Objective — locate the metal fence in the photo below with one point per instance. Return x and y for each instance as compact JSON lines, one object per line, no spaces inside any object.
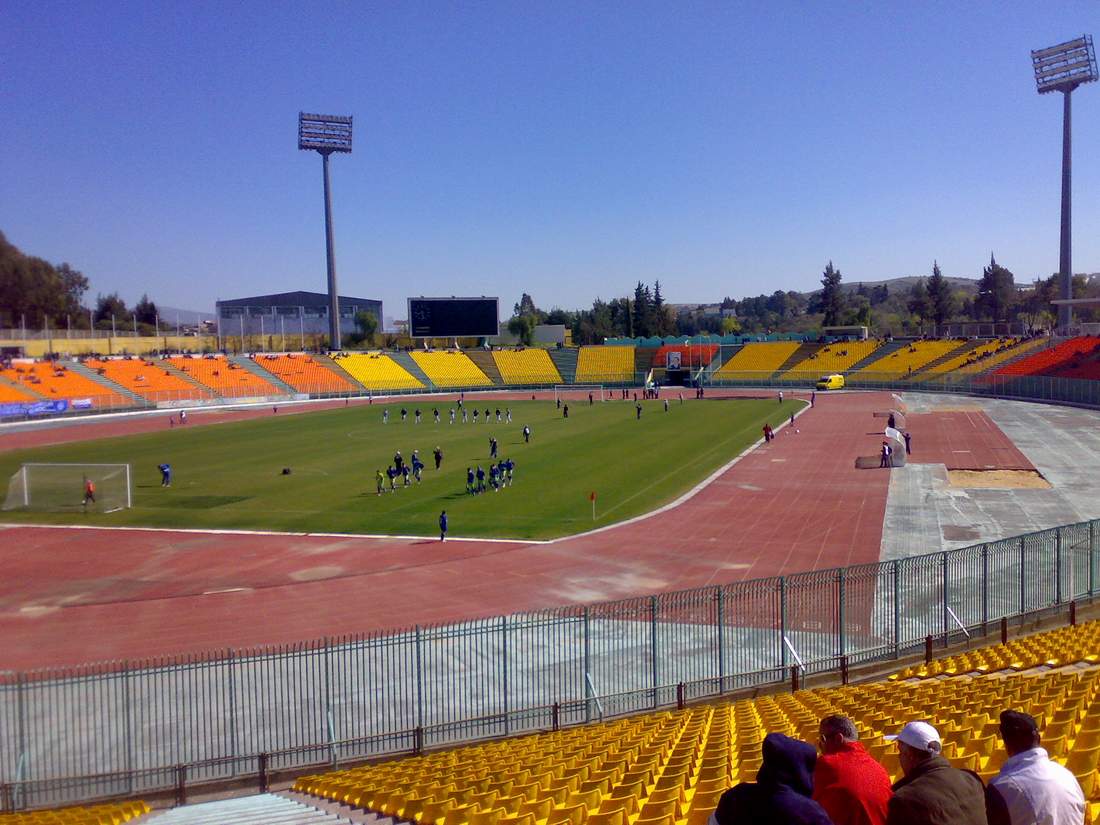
{"x":120,"y":727}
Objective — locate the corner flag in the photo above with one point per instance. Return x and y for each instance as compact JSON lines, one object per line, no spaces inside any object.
{"x":592,"y":498}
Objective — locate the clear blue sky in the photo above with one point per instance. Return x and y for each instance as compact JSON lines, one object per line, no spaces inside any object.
{"x":567,"y":149}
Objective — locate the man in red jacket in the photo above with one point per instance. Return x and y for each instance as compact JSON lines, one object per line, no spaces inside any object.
{"x":848,"y":783}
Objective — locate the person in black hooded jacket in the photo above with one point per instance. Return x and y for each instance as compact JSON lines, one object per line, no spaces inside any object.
{"x":782,"y":790}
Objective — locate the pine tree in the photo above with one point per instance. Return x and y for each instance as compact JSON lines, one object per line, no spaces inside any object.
{"x":831,"y":301}
{"x":940,"y":297}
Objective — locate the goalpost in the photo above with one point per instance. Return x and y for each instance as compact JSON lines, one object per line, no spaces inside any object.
{"x":574,"y":392}
{"x":61,"y":488}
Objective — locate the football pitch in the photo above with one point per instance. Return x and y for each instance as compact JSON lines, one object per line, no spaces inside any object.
{"x":229,"y":476}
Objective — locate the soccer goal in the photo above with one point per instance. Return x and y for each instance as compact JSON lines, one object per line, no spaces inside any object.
{"x":63,"y":488}
{"x":579,"y":392}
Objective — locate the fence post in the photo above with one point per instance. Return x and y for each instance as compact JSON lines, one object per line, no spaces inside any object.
{"x":555,"y":716}
{"x":587,"y":669}
{"x":927,"y":650}
{"x":419,"y":682}
{"x":1058,"y":566}
{"x":504,"y":659}
{"x":653,"y":644}
{"x":263,"y":773}
{"x":946,"y":616}
{"x":1023,"y":579}
{"x":1073,"y":613}
{"x":897,"y":609}
{"x":844,"y":670}
{"x":794,"y":679}
{"x":721,"y":615}
{"x":128,"y":732}
{"x":680,"y":703}
{"x":181,"y":785}
{"x":985,"y":588}
{"x":21,"y":709}
{"x":1004,"y":630}
{"x":782,"y":621}
{"x":840,"y":611}
{"x":1092,"y":557}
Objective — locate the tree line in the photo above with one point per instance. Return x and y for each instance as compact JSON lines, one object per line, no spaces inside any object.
{"x":35,"y":293}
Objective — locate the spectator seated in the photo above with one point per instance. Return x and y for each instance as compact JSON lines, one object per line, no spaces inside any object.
{"x":300,"y":371}
{"x":837,"y":357}
{"x":1047,"y":361}
{"x":145,"y":378}
{"x":376,"y":371}
{"x":224,"y":377}
{"x":909,"y":359}
{"x":54,"y":380}
{"x":671,"y":767}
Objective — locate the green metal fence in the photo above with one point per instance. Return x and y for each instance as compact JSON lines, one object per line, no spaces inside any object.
{"x":122,"y":727}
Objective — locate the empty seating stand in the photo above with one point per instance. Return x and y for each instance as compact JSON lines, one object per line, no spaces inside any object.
{"x":109,"y":814}
{"x":450,"y":368}
{"x":526,"y":366}
{"x":756,"y":361}
{"x":376,"y":371}
{"x":605,"y":365}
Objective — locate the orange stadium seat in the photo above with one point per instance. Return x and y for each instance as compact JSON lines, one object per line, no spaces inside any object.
{"x":146,"y":378}
{"x":691,"y":355}
{"x":224,"y":377}
{"x":1047,"y":361}
{"x":54,"y":380}
{"x":300,"y":371}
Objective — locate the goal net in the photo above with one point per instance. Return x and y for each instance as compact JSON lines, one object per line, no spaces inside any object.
{"x":101,"y":488}
{"x":579,"y":392}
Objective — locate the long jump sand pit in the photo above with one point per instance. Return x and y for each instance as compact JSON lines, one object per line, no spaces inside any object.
{"x":997,"y":480}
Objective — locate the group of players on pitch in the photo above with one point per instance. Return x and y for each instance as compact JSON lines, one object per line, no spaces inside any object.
{"x":405,"y":470}
{"x":502,"y":417}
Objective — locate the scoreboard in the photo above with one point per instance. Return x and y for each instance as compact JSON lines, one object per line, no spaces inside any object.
{"x":453,"y":317}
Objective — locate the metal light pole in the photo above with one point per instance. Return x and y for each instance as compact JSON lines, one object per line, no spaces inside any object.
{"x":327,"y":134}
{"x":1063,"y":68}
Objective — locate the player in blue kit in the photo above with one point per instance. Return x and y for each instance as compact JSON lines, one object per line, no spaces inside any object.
{"x":165,"y":474}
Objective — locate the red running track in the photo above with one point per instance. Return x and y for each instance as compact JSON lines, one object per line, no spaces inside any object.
{"x":963,"y":440}
{"x":72,"y":595}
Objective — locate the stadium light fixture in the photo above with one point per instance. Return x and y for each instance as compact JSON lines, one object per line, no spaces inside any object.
{"x":1063,"y":68}
{"x":327,"y":134}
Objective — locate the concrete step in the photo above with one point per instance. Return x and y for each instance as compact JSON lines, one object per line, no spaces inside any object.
{"x":356,"y":815}
{"x":23,"y":388}
{"x":803,"y":352}
{"x":246,"y":363}
{"x":487,"y":364}
{"x":410,"y":366}
{"x":106,"y":382}
{"x":263,"y":809}
{"x":884,"y":350}
{"x":205,"y":391}
{"x":565,"y":359}
{"x":326,"y":362}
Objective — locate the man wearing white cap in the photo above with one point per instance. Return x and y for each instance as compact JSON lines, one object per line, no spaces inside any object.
{"x":932,"y":792}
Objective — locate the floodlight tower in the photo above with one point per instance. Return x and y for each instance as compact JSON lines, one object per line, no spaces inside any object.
{"x":1063,"y":68}
{"x":327,"y":134}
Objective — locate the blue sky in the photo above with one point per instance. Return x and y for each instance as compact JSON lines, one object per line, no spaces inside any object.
{"x":564,"y":149}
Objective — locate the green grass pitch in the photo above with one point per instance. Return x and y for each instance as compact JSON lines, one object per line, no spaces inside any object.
{"x":229,"y":475}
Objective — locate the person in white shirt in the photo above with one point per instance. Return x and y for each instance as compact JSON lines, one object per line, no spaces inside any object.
{"x":1031,"y":788}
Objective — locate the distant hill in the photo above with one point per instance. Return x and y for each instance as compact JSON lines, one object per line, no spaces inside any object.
{"x":905,"y":283}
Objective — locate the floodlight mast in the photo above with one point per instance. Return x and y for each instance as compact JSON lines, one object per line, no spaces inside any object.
{"x":1063,"y":68}
{"x":326,"y":134}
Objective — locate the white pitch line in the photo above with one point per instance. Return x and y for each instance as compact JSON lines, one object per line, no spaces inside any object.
{"x":698,"y":488}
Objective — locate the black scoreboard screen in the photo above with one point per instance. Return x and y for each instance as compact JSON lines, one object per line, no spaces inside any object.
{"x":453,"y":317}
